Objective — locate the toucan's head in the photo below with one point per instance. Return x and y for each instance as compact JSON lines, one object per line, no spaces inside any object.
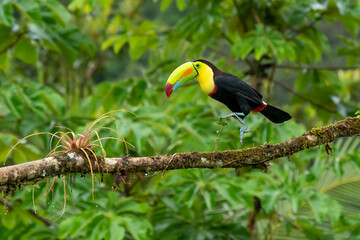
{"x":189,"y":70}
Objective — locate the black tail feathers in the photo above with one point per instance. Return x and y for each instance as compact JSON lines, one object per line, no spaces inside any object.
{"x":275,"y":115}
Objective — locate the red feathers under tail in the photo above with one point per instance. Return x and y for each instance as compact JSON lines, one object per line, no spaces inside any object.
{"x":274,"y":114}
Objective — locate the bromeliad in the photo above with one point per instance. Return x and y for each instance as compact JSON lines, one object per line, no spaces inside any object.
{"x":226,"y":88}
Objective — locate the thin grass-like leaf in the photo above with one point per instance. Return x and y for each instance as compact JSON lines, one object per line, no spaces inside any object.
{"x":118,"y":133}
{"x":33,"y":198}
{"x":103,"y":150}
{"x":91,"y":170}
{"x":53,"y":151}
{"x":103,"y":116}
{"x":96,"y":159}
{"x":114,"y":138}
{"x":52,"y":185}
{"x":68,"y":142}
{"x":64,"y":207}
{"x":31,"y":135}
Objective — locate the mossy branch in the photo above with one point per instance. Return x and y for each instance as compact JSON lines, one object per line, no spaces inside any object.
{"x":76,"y":162}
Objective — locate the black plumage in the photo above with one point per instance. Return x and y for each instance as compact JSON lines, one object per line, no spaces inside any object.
{"x":240,"y":97}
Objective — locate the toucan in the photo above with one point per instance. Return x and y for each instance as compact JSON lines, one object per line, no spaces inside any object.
{"x":226,"y":88}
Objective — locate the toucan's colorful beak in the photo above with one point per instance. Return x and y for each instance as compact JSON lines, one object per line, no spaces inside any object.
{"x":179,"y":76}
{"x":169,"y":89}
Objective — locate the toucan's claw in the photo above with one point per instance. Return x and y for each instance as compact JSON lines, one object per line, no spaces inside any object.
{"x":237,"y":115}
{"x":242,"y":131}
{"x":245,"y":130}
{"x":241,"y":118}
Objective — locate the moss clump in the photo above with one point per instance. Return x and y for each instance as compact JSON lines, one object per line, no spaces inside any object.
{"x":317,"y":131}
{"x":306,"y":143}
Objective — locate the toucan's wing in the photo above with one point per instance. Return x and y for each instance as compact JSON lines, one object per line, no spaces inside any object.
{"x":237,"y":87}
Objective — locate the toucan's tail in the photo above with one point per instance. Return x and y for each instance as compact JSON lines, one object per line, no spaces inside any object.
{"x":275,"y":115}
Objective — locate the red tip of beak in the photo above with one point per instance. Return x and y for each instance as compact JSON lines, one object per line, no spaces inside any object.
{"x":168,"y":89}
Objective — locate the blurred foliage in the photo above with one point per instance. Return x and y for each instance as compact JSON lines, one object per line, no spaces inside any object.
{"x":64,"y":63}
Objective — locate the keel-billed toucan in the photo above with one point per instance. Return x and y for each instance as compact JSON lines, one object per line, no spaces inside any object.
{"x":228,"y":89}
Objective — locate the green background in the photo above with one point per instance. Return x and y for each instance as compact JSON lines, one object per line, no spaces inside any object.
{"x":65,"y":63}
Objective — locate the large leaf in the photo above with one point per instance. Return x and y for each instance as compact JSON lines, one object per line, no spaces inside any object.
{"x":26,"y":51}
{"x":30,"y":9}
{"x":60,"y":12}
{"x":6,"y":13}
{"x":3,"y":60}
{"x":139,"y":227}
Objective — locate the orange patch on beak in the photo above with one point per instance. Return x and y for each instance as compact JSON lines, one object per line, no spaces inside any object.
{"x":187,"y":72}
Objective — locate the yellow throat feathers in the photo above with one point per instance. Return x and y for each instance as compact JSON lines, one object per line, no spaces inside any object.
{"x":206,"y":78}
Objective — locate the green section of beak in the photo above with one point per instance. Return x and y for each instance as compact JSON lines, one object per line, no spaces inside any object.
{"x":179,"y":76}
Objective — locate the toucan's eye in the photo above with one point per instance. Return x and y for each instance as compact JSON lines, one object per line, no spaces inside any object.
{"x":197,"y":65}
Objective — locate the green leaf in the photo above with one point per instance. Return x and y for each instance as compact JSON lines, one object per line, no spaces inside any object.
{"x":159,"y":126}
{"x":242,"y":48}
{"x":333,"y":210}
{"x":260,"y":50}
{"x":318,"y":207}
{"x":139,"y":227}
{"x":351,"y":23}
{"x":99,"y":229}
{"x":36,"y":32}
{"x":131,"y":206}
{"x":188,"y":194}
{"x":180,"y":4}
{"x":351,"y":60}
{"x":310,"y":231}
{"x":7,"y":37}
{"x":269,"y":197}
{"x":77,"y":40}
{"x":355,"y":234}
{"x":72,"y":41}
{"x":290,"y":52}
{"x":68,"y":225}
{"x":228,"y":193}
{"x":120,"y":43}
{"x":30,"y":8}
{"x":343,"y":6}
{"x":78,"y":5}
{"x":6,"y":13}
{"x":74,"y":226}
{"x":296,"y":200}
{"x":106,"y":3}
{"x":109,"y":42}
{"x":44,"y":99}
{"x":303,"y":80}
{"x":26,"y":51}
{"x":209,"y":199}
{"x":3,"y":60}
{"x":170,"y":203}
{"x":11,"y":220}
{"x":139,"y":44}
{"x":60,"y":12}
{"x":165,"y":4}
{"x":12,"y":100}
{"x":117,"y":231}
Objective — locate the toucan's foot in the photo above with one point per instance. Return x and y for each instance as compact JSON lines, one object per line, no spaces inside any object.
{"x":246,"y":130}
{"x":237,"y":115}
{"x":241,"y":118}
{"x":243,"y":130}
